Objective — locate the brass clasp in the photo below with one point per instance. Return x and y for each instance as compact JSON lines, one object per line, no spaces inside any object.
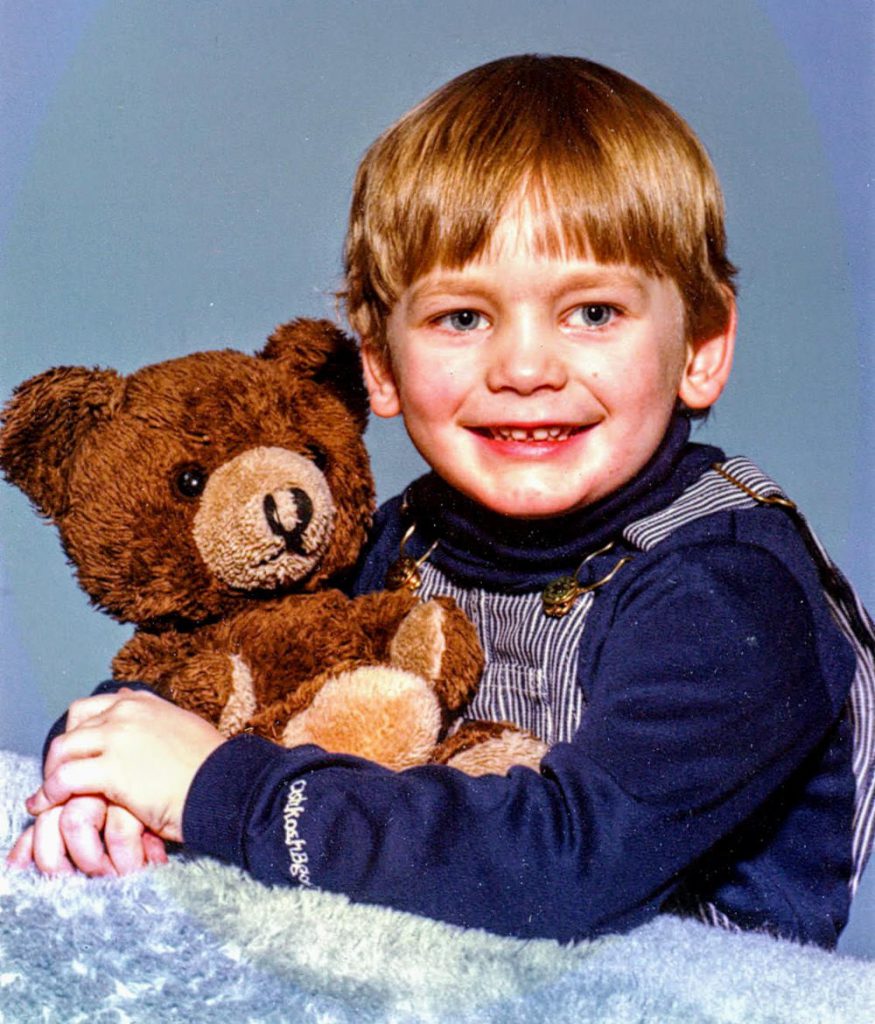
{"x":558,"y":597}
{"x":403,"y":573}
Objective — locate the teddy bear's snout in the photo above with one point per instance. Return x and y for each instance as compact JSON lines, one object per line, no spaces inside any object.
{"x":265,"y":519}
{"x":302,"y":513}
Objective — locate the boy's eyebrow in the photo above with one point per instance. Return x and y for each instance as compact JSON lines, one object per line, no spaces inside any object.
{"x":467,"y":281}
{"x":609,"y":276}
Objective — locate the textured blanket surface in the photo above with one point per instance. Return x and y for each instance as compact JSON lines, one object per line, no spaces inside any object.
{"x":199,"y":941}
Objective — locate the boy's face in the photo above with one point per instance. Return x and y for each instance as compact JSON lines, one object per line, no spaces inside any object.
{"x":538,"y":385}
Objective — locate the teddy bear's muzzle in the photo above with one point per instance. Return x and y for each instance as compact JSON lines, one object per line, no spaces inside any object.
{"x":303,"y":513}
{"x":265,"y":519}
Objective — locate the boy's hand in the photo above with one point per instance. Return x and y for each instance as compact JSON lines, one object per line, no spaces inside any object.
{"x":133,"y":748}
{"x":89,"y":834}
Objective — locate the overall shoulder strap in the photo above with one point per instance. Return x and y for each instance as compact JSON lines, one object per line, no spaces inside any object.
{"x":737,"y":484}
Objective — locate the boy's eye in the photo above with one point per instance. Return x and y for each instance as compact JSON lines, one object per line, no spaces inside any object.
{"x":462,"y":320}
{"x":594,"y":314}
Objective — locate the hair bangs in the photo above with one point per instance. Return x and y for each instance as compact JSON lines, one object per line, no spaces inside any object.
{"x":609,"y":171}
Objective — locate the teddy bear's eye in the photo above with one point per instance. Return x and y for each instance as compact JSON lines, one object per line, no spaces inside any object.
{"x":189,"y":480}
{"x":317,"y":455}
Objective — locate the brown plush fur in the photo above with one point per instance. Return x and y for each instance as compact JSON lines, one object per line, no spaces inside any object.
{"x":211,"y":500}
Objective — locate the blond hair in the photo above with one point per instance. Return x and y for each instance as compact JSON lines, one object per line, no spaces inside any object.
{"x":617,"y":175}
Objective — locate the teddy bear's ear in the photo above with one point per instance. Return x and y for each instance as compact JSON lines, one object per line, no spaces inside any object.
{"x":45,"y":420}
{"x":320,"y":350}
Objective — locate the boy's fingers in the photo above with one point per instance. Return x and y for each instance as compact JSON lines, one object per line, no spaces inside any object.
{"x":123,"y":835}
{"x":49,"y":853}
{"x":154,"y":848}
{"x":76,"y":777}
{"x":21,"y":854}
{"x":87,"y":707}
{"x":81,"y":821}
{"x":86,"y":740}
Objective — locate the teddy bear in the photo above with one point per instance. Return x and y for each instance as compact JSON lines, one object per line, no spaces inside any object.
{"x":214,"y":501}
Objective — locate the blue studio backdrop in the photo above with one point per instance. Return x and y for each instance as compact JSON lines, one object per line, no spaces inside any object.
{"x":175,"y":176}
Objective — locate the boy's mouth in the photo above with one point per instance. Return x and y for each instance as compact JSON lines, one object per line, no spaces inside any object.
{"x":555,"y":432}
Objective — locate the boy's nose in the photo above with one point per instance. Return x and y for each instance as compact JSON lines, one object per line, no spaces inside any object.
{"x":525,"y":359}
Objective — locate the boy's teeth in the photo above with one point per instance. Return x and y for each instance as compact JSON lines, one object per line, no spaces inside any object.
{"x":535,"y":434}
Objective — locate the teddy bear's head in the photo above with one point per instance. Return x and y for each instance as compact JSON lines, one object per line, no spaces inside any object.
{"x":189,"y":486}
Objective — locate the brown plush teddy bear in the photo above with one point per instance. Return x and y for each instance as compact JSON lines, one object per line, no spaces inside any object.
{"x":211,"y":500}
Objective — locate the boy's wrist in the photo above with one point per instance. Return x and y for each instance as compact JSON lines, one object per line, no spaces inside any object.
{"x":217,"y":807}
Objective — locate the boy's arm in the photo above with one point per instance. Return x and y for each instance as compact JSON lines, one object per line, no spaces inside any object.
{"x":708,"y":694}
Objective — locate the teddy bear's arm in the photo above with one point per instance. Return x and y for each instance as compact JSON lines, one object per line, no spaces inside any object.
{"x":389,"y":700}
{"x":152,"y":658}
{"x":192,"y":671}
{"x":378,"y":616}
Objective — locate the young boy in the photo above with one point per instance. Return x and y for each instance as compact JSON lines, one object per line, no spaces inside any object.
{"x":536,"y":268}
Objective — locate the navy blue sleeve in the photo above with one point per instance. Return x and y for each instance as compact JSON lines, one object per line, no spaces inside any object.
{"x":707,"y":695}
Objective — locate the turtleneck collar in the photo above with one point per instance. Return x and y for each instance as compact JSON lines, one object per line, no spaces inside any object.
{"x":479,"y":547}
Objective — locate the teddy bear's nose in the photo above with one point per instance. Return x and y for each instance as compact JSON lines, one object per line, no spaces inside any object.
{"x":299,"y":508}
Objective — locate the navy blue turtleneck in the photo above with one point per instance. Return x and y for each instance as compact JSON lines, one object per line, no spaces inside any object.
{"x":477,"y":547}
{"x":712,"y":764}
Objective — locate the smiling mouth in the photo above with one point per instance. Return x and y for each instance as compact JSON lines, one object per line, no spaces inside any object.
{"x":557,"y":432}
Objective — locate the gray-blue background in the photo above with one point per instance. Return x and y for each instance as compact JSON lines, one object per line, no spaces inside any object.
{"x":175,"y":176}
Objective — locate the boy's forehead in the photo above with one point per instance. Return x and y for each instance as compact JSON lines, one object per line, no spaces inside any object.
{"x":530,"y":230}
{"x":528,"y":234}
{"x":530,"y":225}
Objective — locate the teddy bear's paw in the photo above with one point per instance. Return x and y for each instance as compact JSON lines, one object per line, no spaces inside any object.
{"x":437,"y":641}
{"x":419,"y":644}
{"x":496,"y":754}
{"x":381,"y":713}
{"x":242,"y":703}
{"x":217,"y":686}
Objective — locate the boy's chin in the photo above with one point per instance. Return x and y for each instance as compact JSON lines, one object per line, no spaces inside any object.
{"x":527,"y":504}
{"x":546,"y":512}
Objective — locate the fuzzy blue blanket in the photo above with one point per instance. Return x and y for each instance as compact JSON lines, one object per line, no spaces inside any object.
{"x":199,"y":941}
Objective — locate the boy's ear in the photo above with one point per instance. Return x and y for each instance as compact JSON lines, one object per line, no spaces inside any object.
{"x":380,"y":380}
{"x":709,"y":363}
